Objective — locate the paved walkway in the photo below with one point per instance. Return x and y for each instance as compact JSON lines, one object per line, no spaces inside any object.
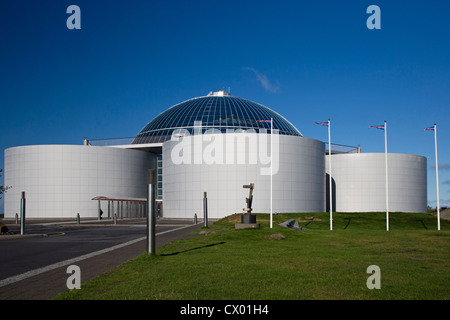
{"x":48,"y":284}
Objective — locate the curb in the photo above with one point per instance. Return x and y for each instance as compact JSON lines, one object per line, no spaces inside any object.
{"x":20,"y":236}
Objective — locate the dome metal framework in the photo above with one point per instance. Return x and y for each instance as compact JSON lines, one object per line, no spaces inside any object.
{"x":218,"y":110}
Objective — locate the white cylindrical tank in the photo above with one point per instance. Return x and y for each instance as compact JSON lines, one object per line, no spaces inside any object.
{"x":60,"y":180}
{"x":221,"y":164}
{"x":360,"y":185}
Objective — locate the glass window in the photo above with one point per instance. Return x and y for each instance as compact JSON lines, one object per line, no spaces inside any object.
{"x":219,"y":112}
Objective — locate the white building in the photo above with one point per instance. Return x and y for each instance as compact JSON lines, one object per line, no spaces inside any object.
{"x":213,"y":144}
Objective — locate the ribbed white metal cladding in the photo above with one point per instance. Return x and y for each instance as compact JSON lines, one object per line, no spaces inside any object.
{"x":359,"y":182}
{"x":298,"y":180}
{"x":61,"y":180}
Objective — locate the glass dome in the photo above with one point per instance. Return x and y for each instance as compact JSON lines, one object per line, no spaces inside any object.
{"x":218,"y":110}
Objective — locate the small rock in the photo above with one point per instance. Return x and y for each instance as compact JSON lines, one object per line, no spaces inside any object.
{"x":277,"y":236}
{"x":207,"y":233}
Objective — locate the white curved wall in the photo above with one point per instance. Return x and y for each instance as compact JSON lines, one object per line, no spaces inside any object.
{"x":60,"y":180}
{"x":298,"y":180}
{"x":360,"y":185}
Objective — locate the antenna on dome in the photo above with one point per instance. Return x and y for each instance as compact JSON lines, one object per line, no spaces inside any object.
{"x":219,"y":93}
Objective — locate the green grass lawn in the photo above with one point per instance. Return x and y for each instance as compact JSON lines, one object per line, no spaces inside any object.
{"x":413,"y":257}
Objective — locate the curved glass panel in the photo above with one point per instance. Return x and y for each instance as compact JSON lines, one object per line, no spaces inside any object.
{"x":219,"y":112}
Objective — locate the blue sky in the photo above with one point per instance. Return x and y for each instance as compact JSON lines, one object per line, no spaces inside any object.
{"x":307,"y":60}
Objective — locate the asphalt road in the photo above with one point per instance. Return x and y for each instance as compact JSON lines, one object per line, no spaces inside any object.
{"x":35,"y":266}
{"x":63,"y":242}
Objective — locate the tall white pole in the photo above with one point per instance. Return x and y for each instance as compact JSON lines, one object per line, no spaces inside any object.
{"x":329,"y":162}
{"x":271,"y":171}
{"x":387,"y":182}
{"x":437,"y":178}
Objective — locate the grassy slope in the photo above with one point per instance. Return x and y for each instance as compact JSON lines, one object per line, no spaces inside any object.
{"x":313,"y":264}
